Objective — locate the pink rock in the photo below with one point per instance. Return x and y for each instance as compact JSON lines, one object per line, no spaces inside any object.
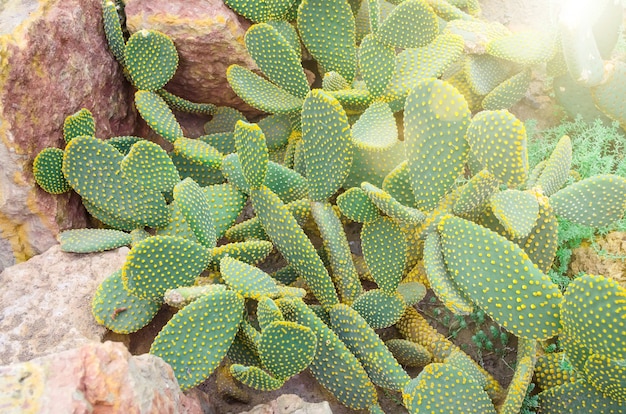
{"x":209,"y":38}
{"x":96,"y":378}
{"x":55,"y":61}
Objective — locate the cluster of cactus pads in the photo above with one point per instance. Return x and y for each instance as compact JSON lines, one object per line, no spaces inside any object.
{"x":451,"y":194}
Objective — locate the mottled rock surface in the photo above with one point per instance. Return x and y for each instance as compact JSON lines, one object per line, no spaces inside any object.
{"x":54,"y":60}
{"x":209,"y":38}
{"x":290,"y":404}
{"x":45,"y":303}
{"x":95,"y":378}
{"x":606,"y":258}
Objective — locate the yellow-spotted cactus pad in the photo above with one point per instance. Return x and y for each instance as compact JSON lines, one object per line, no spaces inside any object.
{"x":498,"y":276}
{"x":518,"y":387}
{"x":267,"y":312}
{"x":556,"y":169}
{"x":183,"y":105}
{"x":436,"y":117}
{"x":334,"y":366}
{"x":475,"y":192}
{"x":411,"y":24}
{"x":79,"y":124}
{"x":92,"y":240}
{"x":256,"y":378}
{"x":261,"y":93}
{"x":328,"y":150}
{"x":111,"y":220}
{"x":159,"y":263}
{"x":123,"y":143}
{"x":376,"y":64}
{"x":148,"y":165}
{"x":379,"y":308}
{"x":177,"y":226}
{"x":355,"y":205}
{"x":498,"y":140}
{"x":353,"y":100}
{"x":251,"y":252}
{"x":201,"y":173}
{"x":151,"y":59}
{"x":465,"y":363}
{"x":596,"y":201}
{"x":440,"y":281}
{"x":194,"y":205}
{"x":411,"y":291}
{"x":248,"y":281}
{"x":385,"y":249}
{"x":252,"y":150}
{"x":376,"y":128}
{"x":407,"y":353}
{"x":277,"y":129}
{"x":184,"y":295}
{"x":445,"y":389}
{"x":328,"y":32}
{"x":484,"y":72}
{"x":476,"y":33}
{"x":223,"y":120}
{"x":286,"y":348}
{"x":333,"y":81}
{"x":553,"y":370}
{"x":196,"y":339}
{"x":118,"y":310}
{"x":157,"y":115}
{"x":366,"y":345}
{"x":607,"y":95}
{"x":47,"y":170}
{"x":391,"y":207}
{"x":608,"y":376}
{"x":277,"y":59}
{"x":373,"y":164}
{"x":225,"y":204}
{"x":398,"y":184}
{"x":509,"y":92}
{"x":542,"y":242}
{"x":516,"y":210}
{"x":113,"y":30}
{"x":524,"y":47}
{"x":578,"y":397}
{"x":198,"y":151}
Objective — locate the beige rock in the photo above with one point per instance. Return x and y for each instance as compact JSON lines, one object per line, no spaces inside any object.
{"x":54,"y":60}
{"x":45,"y":303}
{"x":96,"y":378}
{"x":290,"y":404}
{"x":607,"y":258}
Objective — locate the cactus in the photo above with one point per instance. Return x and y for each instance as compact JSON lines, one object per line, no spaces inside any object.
{"x":79,"y":124}
{"x":92,"y":240}
{"x":47,"y":170}
{"x":151,"y":59}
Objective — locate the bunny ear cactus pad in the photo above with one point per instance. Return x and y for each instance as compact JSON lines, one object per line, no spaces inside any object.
{"x":255,"y":377}
{"x":516,"y":210}
{"x":495,"y":274}
{"x":286,"y":348}
{"x":159,"y":263}
{"x":391,"y":207}
{"x":247,"y":280}
{"x":328,"y":150}
{"x":47,"y":170}
{"x":183,"y":105}
{"x":385,"y":249}
{"x":113,"y":30}
{"x":608,"y":96}
{"x":151,"y":59}
{"x":578,"y":397}
{"x":475,"y":192}
{"x":158,"y":115}
{"x":498,"y":140}
{"x":198,"y":152}
{"x":596,"y":201}
{"x":267,"y":312}
{"x":114,"y":307}
{"x":328,"y":32}
{"x":355,"y":205}
{"x":252,"y":150}
{"x":194,"y":205}
{"x":379,"y":308}
{"x":398,"y":185}
{"x":409,"y":353}
{"x":376,"y":64}
{"x":549,"y":371}
{"x":261,"y":11}
{"x":79,"y":124}
{"x":411,"y":24}
{"x":526,"y":47}
{"x":148,"y":165}
{"x":543,"y":241}
{"x":376,"y":129}
{"x":225,"y":204}
{"x":608,"y":376}
{"x":557,"y":168}
{"x":123,"y":143}
{"x":197,"y":338}
{"x":509,"y":92}
{"x":92,"y":240}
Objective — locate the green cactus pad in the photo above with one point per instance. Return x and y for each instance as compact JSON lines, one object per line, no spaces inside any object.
{"x":434,"y":130}
{"x":481,"y":261}
{"x":458,"y":79}
{"x":92,"y":240}
{"x":524,"y":47}
{"x":333,"y":81}
{"x":277,"y":59}
{"x":277,"y":129}
{"x":542,"y":242}
{"x":385,"y":249}
{"x":252,"y":150}
{"x":256,"y":378}
{"x":160,"y":263}
{"x":411,"y":24}
{"x":260,"y":93}
{"x":608,"y":95}
{"x":183,"y":105}
{"x":353,"y":100}
{"x":224,"y":120}
{"x":138,"y":235}
{"x":290,"y":240}
{"x":148,"y":165}
{"x":429,"y":61}
{"x":535,"y":173}
{"x":445,"y":389}
{"x":92,"y":168}
{"x":518,"y":387}
{"x":177,"y":226}
{"x":379,"y":308}
{"x":501,"y":150}
{"x":373,"y":164}
{"x":509,"y":92}
{"x":391,"y":206}
{"x":241,"y":352}
{"x":355,"y":205}
{"x":409,"y":354}
{"x":286,"y":348}
{"x":327,"y":151}
{"x":577,"y":398}
{"x":123,"y":143}
{"x":376,"y":64}
{"x":364,"y":343}
{"x":247,"y":280}
{"x":484,"y":72}
{"x":267,"y":312}
{"x":198,"y":336}
{"x":250,"y":252}
{"x":440,"y":281}
{"x":151,"y":59}
{"x":288,"y":31}
{"x":225,"y":204}
{"x":333,"y":47}
{"x":198,"y":151}
{"x":592,"y":315}
{"x":376,"y":128}
{"x":516,"y":210}
{"x":201,"y":173}
{"x":224,"y":142}
{"x":261,"y":11}
{"x":596,"y":201}
{"x":113,"y":31}
{"x":448,"y":11}
{"x":556,"y":170}
{"x":118,"y":310}
{"x":184,"y":295}
{"x":608,"y":376}
{"x":475,"y":193}
{"x":398,"y":184}
{"x":47,"y":170}
{"x":465,"y":363}
{"x":477,"y":33}
{"x":344,"y":273}
{"x":157,"y":115}
{"x":194,"y":205}
{"x":110,"y":220}
{"x":334,"y":366}
{"x":551,"y":371}
{"x":411,"y":292}
{"x":79,"y":124}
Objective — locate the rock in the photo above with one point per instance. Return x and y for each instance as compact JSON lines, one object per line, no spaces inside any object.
{"x":609,"y":263}
{"x":95,"y":378}
{"x":54,"y":61}
{"x":45,"y":303}
{"x":290,"y":404}
{"x":209,"y":38}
